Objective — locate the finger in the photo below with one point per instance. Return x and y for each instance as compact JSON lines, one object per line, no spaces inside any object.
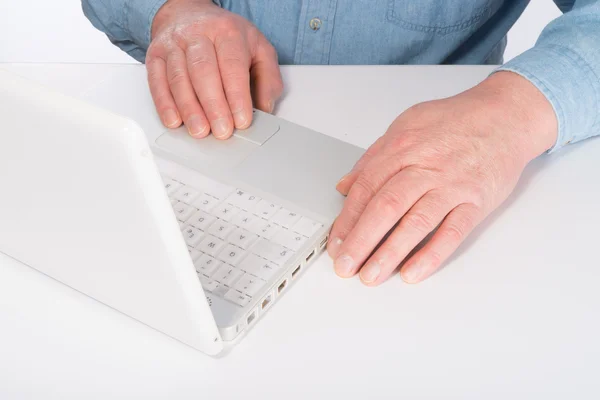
{"x":234,"y":64}
{"x":346,"y":182}
{"x":380,"y":215}
{"x":161,"y":94}
{"x":266,"y":77}
{"x":206,"y":79}
{"x":451,"y":233}
{"x":184,"y":96}
{"x":374,"y":175}
{"x":418,"y":222}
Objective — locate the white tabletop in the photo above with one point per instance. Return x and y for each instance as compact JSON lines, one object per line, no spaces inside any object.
{"x":513,"y":315}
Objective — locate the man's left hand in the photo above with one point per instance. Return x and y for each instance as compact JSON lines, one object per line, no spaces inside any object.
{"x":442,"y":166}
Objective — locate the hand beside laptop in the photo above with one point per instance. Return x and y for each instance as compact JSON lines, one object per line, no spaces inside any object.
{"x":445,"y":164}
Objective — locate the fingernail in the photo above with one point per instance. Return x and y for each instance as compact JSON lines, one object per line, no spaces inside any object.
{"x":241,"y":121}
{"x":221,"y":127}
{"x":414,"y":273}
{"x":343,"y":179}
{"x":170,"y":118}
{"x":334,"y":246}
{"x":344,"y":266}
{"x":197,"y":126}
{"x":370,"y":272}
{"x":270,"y":106}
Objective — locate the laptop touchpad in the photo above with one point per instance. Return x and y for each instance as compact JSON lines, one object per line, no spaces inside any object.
{"x":206,"y":151}
{"x":227,"y":153}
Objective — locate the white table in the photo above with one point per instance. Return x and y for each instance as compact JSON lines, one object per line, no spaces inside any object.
{"x":513,"y":315}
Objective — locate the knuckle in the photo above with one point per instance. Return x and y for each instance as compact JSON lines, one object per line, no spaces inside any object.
{"x":362,"y":191}
{"x":389,"y":202}
{"x":419,"y":221}
{"x":435,"y":259}
{"x":177,"y":76}
{"x":454,"y":233}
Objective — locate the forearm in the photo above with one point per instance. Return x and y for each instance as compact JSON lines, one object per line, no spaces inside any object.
{"x":564,"y":65}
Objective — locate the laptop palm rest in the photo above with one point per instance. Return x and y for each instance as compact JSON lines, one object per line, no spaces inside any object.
{"x":219,"y":153}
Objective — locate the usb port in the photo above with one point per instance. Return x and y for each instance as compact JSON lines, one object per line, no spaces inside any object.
{"x":323,"y":242}
{"x":282,"y":286}
{"x":251,"y":317}
{"x":310,"y":256}
{"x":296,"y":271}
{"x":266,"y":302}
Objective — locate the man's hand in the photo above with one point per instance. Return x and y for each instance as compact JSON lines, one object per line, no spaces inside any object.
{"x":444,"y":164}
{"x":200,"y":64}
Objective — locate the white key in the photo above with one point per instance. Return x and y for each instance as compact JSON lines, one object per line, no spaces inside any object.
{"x":265,"y":209}
{"x":244,"y":219}
{"x":272,"y":251}
{"x":182,"y":224}
{"x":209,"y":285}
{"x":173,"y":201}
{"x":201,"y":220}
{"x":249,"y":285}
{"x":263,"y":228}
{"x":210,"y":245}
{"x":171,"y":186}
{"x":221,"y":229}
{"x":227,"y":275}
{"x":306,"y":227}
{"x":186,"y":194}
{"x":207,"y":265}
{"x":183,"y":211}
{"x":259,"y":267}
{"x":205,"y":202}
{"x":220,"y":290}
{"x":243,"y":200}
{"x":236,"y":297}
{"x":225,"y":211}
{"x":231,"y":254}
{"x":289,"y":239}
{"x":192,"y":235}
{"x":286,"y":218}
{"x":194,"y":254}
{"x":242,"y":238}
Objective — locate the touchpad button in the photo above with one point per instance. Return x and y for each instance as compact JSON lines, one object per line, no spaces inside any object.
{"x":263,"y":127}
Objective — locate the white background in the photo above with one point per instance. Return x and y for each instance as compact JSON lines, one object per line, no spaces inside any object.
{"x":57,"y":31}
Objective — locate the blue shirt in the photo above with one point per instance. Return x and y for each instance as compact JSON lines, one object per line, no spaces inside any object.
{"x":564,"y":64}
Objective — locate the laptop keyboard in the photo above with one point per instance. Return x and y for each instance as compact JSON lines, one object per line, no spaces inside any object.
{"x":236,"y":240}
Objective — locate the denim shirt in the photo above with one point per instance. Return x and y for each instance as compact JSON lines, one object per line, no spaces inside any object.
{"x":564,"y":64}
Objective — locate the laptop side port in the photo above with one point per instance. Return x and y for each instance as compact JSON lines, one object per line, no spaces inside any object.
{"x":296,"y":271}
{"x":282,"y":286}
{"x":323,"y":242}
{"x":265,"y":303}
{"x":251,"y":317}
{"x":310,"y":256}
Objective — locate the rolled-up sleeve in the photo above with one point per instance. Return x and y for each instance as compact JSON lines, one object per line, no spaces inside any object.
{"x":565,"y":66}
{"x":127,"y":23}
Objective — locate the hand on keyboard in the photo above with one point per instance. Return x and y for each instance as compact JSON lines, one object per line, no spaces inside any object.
{"x":237,"y":240}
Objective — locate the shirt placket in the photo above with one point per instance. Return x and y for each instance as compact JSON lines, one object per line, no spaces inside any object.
{"x":315,"y":32}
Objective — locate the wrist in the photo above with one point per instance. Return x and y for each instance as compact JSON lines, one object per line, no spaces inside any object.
{"x":522,"y":110}
{"x":170,"y":9}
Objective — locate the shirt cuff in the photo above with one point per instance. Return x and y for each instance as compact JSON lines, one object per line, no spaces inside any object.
{"x":139,"y":15}
{"x":568,"y":83}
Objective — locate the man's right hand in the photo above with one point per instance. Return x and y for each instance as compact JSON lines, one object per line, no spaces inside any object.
{"x":201,"y":62}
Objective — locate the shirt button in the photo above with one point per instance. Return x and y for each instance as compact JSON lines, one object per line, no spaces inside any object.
{"x":315,"y":24}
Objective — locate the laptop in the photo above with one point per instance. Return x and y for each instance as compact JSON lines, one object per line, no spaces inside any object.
{"x":197,"y":239}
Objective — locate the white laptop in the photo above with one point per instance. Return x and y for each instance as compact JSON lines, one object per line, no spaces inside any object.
{"x":195,"y":238}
